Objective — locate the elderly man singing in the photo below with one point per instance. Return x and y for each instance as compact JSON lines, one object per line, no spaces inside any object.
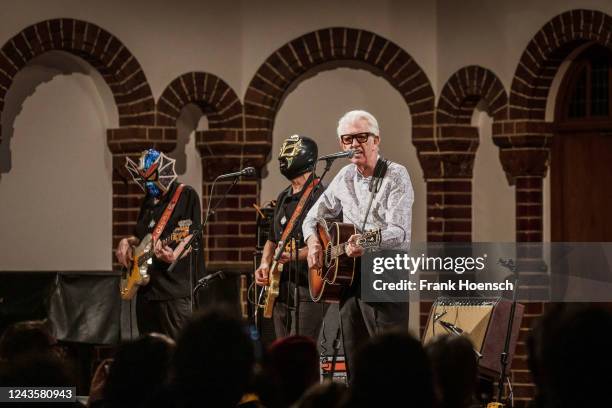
{"x":388,"y":208}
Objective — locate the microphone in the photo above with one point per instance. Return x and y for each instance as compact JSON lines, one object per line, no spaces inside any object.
{"x":451,"y":327}
{"x":211,"y":278}
{"x":247,"y":172}
{"x":334,"y":156}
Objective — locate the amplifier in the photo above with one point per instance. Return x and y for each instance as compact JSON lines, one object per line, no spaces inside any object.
{"x":339,"y":369}
{"x":483,"y":320}
{"x":263,"y":222}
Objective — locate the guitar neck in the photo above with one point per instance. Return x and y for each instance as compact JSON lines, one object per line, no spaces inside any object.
{"x":149,"y":254}
{"x":340,"y":249}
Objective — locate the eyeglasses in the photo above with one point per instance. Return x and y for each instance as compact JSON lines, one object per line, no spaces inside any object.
{"x":361,"y":137}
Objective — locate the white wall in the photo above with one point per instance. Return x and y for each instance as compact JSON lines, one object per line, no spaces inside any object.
{"x":411,"y":24}
{"x":168,"y":39}
{"x":188,"y":161}
{"x":493,"y":201}
{"x":55,"y":183}
{"x":494,"y":34}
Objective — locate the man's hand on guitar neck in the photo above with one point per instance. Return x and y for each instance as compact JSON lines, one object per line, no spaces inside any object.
{"x":352,"y":249}
{"x":166,"y":254}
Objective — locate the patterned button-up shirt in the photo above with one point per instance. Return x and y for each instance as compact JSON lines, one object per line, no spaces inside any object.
{"x":349,"y":192}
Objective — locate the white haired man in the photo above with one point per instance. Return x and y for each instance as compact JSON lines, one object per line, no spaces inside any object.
{"x":391,"y":211}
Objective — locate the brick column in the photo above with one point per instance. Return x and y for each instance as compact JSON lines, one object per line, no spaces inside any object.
{"x":448,"y":162}
{"x":526,"y":167}
{"x":448,"y":172}
{"x":230,"y":233}
{"x":524,"y":154}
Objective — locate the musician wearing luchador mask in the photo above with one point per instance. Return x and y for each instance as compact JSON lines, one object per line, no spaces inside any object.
{"x":170,"y":211}
{"x":296,"y":158}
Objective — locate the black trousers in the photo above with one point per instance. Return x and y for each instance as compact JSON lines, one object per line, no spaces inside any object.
{"x":311,"y":313}
{"x":361,"y":320}
{"x":162,"y":316}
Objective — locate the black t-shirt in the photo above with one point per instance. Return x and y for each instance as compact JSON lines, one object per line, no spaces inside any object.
{"x":285,"y":206}
{"x":186,"y":216}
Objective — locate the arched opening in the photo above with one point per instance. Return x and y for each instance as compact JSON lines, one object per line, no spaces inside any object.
{"x":188,"y":162}
{"x":336,"y":92}
{"x":313,"y":109}
{"x":56,"y":176}
{"x":493,"y":209}
{"x":582,"y":150}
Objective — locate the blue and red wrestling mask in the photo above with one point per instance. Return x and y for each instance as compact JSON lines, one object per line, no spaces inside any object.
{"x":154,"y":172}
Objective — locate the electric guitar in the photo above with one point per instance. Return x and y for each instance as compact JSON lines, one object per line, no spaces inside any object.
{"x":137,"y":275}
{"x":269,"y":293}
{"x":327,"y":283}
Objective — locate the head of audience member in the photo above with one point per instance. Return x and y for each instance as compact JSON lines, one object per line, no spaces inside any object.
{"x":291,"y":366}
{"x":213,"y":362}
{"x":568,"y":356}
{"x":329,"y":394}
{"x":25,"y":338}
{"x":389,"y":367}
{"x":358,"y":130}
{"x":455,"y":370}
{"x":138,"y":370}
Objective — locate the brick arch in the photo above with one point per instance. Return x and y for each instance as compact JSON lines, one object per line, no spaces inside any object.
{"x":214,"y":96}
{"x":98,"y":47}
{"x":464,"y":89}
{"x":450,"y":169}
{"x":545,"y":52}
{"x":285,"y":67}
{"x":524,"y":139}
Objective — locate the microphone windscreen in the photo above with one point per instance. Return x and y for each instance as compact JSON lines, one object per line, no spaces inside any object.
{"x":248,"y":171}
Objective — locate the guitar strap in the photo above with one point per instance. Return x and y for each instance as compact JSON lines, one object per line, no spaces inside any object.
{"x":161,"y":224}
{"x":298,"y":210}
{"x":379,"y":173}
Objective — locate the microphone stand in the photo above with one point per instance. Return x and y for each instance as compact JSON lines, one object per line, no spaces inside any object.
{"x":509,"y":264}
{"x":195,"y":240}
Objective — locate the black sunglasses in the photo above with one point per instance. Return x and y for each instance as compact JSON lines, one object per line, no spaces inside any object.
{"x":361,"y":137}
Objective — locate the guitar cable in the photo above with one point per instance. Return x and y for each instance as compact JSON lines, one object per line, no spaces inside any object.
{"x":510,"y":391}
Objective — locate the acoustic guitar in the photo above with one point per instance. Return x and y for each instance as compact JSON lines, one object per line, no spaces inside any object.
{"x":137,"y":275}
{"x":338,"y":271}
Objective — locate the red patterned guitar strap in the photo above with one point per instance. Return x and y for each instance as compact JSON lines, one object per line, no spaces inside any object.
{"x":298,"y":209}
{"x":161,"y":224}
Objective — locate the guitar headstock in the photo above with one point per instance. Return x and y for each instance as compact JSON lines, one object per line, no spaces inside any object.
{"x":370,"y":239}
{"x":177,"y":235}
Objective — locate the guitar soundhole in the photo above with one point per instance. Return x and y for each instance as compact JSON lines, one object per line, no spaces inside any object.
{"x":327,"y":255}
